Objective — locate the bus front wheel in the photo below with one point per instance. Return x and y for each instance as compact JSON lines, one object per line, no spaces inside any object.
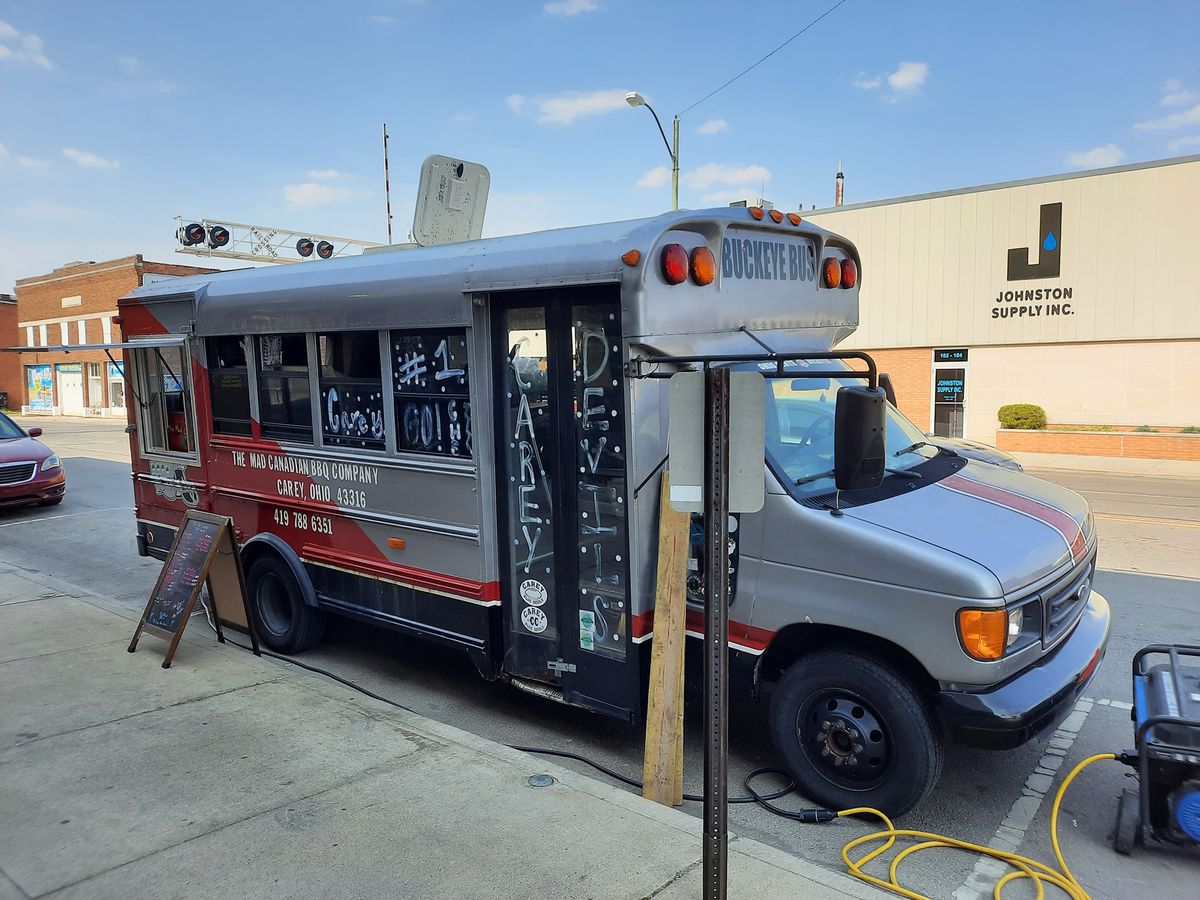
{"x":283,"y":621}
{"x":854,"y":732}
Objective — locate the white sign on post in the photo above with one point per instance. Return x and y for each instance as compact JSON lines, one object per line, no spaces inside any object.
{"x":685,"y":441}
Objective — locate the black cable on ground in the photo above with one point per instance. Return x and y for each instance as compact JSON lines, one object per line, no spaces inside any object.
{"x":807,"y":816}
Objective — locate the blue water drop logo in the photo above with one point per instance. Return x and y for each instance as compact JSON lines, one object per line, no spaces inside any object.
{"x":1049,"y":244}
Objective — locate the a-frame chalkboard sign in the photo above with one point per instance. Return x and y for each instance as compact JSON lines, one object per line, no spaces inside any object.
{"x":204,"y":552}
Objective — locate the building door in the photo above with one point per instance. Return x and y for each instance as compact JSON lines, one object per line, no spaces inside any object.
{"x":949,"y":394}
{"x":70,"y":389}
{"x":564,"y":504}
{"x":116,"y":386}
{"x":95,"y":398}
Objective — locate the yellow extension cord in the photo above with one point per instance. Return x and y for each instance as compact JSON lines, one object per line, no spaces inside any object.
{"x":1040,"y":873}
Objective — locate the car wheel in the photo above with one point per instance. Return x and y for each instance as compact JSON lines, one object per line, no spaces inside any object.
{"x":853,"y":732}
{"x":283,"y":621}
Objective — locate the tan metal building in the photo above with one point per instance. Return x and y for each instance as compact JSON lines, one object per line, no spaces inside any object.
{"x":1079,"y":292}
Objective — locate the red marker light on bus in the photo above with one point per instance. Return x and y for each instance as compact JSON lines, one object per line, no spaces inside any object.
{"x":674,"y":264}
{"x":704,"y":266}
{"x":833,"y":272}
{"x":849,"y":273}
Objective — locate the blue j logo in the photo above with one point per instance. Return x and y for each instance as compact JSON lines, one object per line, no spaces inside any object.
{"x":1049,"y":244}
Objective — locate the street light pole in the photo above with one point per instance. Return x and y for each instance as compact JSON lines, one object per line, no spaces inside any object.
{"x":633,"y":98}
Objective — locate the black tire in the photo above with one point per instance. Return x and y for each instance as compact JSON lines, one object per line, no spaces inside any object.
{"x":1129,"y":822}
{"x":283,"y":620}
{"x":853,"y":732}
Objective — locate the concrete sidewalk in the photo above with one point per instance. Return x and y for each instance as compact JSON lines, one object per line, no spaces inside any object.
{"x":233,"y":776}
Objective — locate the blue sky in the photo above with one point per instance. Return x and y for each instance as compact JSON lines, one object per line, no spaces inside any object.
{"x":115,"y":118}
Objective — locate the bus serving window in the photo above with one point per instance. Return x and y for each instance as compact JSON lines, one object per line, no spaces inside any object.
{"x":351,"y":383}
{"x":284,"y":395}
{"x":431,"y":390}
{"x":229,"y":385}
{"x":166,"y":401}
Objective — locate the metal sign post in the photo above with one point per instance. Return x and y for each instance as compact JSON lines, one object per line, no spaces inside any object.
{"x":716,"y":631}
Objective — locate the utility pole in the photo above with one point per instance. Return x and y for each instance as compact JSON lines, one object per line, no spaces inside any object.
{"x":675,"y":167}
{"x":387,"y":190}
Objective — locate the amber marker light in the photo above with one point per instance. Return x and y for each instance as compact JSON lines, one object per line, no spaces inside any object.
{"x":776,"y":215}
{"x":849,"y":273}
{"x":631,"y":257}
{"x":704,"y":266}
{"x":674,"y":264}
{"x":794,"y":218}
{"x":756,"y":212}
{"x":832,"y":272}
{"x":396,"y":543}
{"x":983,"y":632}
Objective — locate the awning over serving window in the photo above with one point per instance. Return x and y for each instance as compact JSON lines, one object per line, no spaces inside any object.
{"x":164,"y":340}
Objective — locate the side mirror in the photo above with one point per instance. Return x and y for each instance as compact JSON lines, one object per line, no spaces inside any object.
{"x":858,"y":450}
{"x":34,"y":432}
{"x":885,"y":382}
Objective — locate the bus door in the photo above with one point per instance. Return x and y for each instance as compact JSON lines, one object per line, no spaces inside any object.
{"x":564,"y":503}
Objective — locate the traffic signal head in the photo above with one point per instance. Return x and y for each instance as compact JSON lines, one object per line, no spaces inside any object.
{"x":304,"y":247}
{"x":190,"y":235}
{"x":324,"y":249}
{"x":218,"y":236}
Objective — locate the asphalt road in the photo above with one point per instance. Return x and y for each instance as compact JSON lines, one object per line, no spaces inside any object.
{"x":1146,"y":526}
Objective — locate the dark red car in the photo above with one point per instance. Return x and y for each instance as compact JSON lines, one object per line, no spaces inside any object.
{"x":30,"y":472}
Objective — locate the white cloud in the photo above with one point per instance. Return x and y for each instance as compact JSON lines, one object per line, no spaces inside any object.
{"x":383,"y":20}
{"x":712,"y":174}
{"x":712,"y":126}
{"x":655,"y":178}
{"x":22,"y":47}
{"x":326,"y":174}
{"x":3,"y":152}
{"x":129,"y":65}
{"x":565,"y":108}
{"x":909,"y":76}
{"x":1179,"y":143}
{"x":1175,"y":120}
{"x":1097,"y":157}
{"x":570,"y":7}
{"x":33,"y":164}
{"x":867,"y":84}
{"x":89,"y":160}
{"x":312,"y":194}
{"x":1175,"y":94}
{"x":462,"y":118}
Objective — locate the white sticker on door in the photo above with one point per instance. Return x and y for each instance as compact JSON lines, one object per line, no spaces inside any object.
{"x":534,"y":619}
{"x":533,"y":592}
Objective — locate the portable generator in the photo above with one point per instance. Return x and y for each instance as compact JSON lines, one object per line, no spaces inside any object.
{"x":1166,"y":711}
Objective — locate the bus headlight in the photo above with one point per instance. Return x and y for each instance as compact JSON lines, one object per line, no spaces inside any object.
{"x":1016,"y":619}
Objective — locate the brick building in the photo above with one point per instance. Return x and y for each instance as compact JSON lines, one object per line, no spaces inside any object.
{"x":76,"y":304}
{"x":10,"y":366}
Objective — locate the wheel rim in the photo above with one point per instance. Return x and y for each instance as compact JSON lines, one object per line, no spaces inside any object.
{"x":845,"y":740}
{"x":274,"y":604}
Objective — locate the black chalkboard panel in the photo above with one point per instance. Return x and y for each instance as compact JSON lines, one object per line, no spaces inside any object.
{"x":184,"y":569}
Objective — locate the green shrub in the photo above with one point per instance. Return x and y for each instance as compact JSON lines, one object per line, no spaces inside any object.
{"x":1191,"y":429}
{"x":1021,"y":415}
{"x":1146,"y":429}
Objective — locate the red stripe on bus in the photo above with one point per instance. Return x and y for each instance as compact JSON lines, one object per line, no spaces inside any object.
{"x":435,"y":581}
{"x":642,"y":624}
{"x":1056,"y":518}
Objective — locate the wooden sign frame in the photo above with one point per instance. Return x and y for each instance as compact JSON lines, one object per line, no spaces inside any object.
{"x":206,"y":559}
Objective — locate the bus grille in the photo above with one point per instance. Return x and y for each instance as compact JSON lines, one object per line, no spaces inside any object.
{"x":15,"y":474}
{"x":1065,"y":601}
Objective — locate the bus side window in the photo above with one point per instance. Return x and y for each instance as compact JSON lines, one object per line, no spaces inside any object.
{"x":431,"y":392}
{"x":284,"y":396}
{"x":351,"y":384}
{"x":166,"y":409}
{"x":229,"y":385}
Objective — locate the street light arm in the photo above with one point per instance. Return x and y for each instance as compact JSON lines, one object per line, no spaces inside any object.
{"x":670,"y":152}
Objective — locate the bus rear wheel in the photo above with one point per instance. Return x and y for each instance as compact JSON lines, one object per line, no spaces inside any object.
{"x":853,"y":732}
{"x":283,"y":621}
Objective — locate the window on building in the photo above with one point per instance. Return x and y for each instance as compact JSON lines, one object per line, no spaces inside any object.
{"x":351,"y":383}
{"x":106,"y":327}
{"x":431,"y":392}
{"x":81,"y":331}
{"x":95,"y":373}
{"x":284,"y":395}
{"x":229,"y":385}
{"x":166,"y":407}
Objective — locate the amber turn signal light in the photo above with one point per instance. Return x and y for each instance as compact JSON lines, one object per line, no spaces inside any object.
{"x":631,"y":257}
{"x":776,"y":215}
{"x":704,"y":265}
{"x":756,"y":212}
{"x":832,"y":272}
{"x":983,"y":632}
{"x":794,"y":218}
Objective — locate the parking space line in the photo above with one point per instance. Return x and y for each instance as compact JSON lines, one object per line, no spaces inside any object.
{"x":86,"y":512}
{"x":1011,"y":833}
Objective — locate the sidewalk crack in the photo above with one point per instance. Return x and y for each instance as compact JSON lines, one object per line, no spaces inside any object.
{"x":682,"y":873}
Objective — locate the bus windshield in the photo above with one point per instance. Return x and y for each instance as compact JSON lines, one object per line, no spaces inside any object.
{"x":799,"y":426}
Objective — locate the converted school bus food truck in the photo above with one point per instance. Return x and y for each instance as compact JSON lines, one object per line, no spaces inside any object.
{"x":452,"y":442}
